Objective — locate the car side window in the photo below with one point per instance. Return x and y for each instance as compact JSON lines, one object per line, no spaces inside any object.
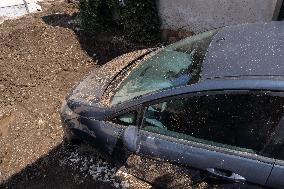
{"x":241,"y":122}
{"x":126,"y":119}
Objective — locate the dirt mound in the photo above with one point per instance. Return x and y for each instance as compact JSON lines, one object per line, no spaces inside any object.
{"x":39,"y":63}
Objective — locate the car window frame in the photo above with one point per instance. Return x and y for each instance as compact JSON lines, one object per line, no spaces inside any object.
{"x":211,"y":147}
{"x":138,"y":110}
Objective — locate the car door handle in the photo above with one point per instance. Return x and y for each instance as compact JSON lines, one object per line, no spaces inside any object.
{"x":225,"y":174}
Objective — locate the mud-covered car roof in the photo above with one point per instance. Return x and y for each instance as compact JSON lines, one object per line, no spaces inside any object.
{"x":246,"y":50}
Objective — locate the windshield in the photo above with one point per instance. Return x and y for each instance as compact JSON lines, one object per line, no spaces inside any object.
{"x":178,"y":64}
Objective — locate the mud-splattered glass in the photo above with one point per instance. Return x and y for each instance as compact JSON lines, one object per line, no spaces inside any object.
{"x":241,"y":122}
{"x":178,"y":64}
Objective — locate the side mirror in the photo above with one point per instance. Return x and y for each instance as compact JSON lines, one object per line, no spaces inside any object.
{"x":130,"y":138}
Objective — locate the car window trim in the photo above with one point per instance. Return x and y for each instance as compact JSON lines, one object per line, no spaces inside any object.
{"x":137,"y":109}
{"x":209,"y":147}
{"x":214,"y":92}
{"x":207,"y":86}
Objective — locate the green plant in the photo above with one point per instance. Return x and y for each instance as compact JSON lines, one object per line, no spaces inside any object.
{"x":138,"y":20}
{"x":88,"y":14}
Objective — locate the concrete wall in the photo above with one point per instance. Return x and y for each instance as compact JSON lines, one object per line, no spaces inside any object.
{"x":15,"y":8}
{"x":202,"y":15}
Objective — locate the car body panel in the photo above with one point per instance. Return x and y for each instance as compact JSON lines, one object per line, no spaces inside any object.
{"x":105,"y":134}
{"x":187,"y":153}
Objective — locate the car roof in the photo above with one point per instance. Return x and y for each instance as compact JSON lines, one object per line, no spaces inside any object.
{"x":246,"y":50}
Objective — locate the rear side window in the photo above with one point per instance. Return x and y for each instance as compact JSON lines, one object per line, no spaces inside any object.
{"x":237,"y":121}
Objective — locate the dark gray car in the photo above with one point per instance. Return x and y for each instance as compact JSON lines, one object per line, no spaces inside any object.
{"x":213,"y":102}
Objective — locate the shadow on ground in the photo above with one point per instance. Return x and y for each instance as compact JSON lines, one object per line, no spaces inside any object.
{"x":82,"y":166}
{"x":102,"y":46}
{"x":64,"y":167}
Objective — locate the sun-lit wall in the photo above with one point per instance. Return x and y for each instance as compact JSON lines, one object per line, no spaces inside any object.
{"x":202,"y":15}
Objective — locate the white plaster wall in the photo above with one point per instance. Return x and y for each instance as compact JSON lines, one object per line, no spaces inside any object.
{"x":202,"y":15}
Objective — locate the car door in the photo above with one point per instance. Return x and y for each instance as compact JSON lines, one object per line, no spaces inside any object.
{"x":225,"y":134}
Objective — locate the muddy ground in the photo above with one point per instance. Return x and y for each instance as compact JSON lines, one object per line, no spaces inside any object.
{"x":41,"y":57}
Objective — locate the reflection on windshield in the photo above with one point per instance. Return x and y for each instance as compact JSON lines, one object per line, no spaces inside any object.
{"x":177,"y":65}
